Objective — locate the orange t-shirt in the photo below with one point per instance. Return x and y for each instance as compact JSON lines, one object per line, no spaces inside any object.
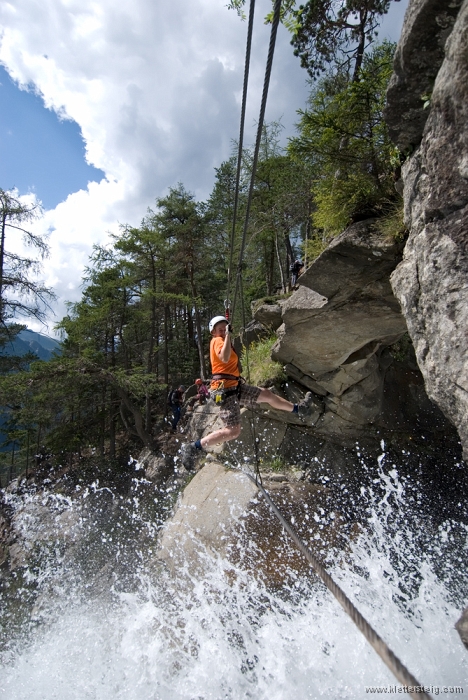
{"x":218,"y":367}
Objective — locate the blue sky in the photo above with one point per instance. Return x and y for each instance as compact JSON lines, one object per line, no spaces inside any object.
{"x":151,"y":93}
{"x":39,"y":152}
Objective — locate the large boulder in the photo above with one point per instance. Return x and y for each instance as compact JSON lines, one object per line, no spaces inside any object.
{"x":344,"y":304}
{"x":220,"y":515}
{"x":431,"y":283}
{"x":206,"y":517}
{"x":337,"y":322}
{"x":252,"y":333}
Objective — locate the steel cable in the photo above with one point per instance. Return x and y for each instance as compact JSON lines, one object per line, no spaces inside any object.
{"x":266,"y":84}
{"x":398,"y":669}
{"x":241,"y":140}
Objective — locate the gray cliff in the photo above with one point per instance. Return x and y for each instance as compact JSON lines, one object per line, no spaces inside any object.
{"x":431,"y":282}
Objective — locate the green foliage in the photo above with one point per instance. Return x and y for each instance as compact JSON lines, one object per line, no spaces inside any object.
{"x":313,"y":246}
{"x":140,"y":326}
{"x":344,"y":137}
{"x":277,"y":464}
{"x":263,"y":370}
{"x":279,"y":216}
{"x":402,"y":348}
{"x":335,"y":33}
{"x":20,"y":292}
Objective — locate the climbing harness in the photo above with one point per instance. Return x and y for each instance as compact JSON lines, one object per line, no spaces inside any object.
{"x":220,"y":394}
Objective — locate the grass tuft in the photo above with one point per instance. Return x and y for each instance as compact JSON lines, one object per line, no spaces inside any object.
{"x":263,"y":370}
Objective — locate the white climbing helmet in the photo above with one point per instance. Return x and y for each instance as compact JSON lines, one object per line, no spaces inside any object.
{"x":215,"y":320}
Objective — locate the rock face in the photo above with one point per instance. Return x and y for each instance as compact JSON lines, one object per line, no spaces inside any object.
{"x":211,"y":506}
{"x":336,"y":324}
{"x":431,"y":282}
{"x":221,"y":514}
{"x":343,"y":337}
{"x":418,"y":57}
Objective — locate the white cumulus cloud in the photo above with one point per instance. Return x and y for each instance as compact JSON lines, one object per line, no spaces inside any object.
{"x":155,"y":87}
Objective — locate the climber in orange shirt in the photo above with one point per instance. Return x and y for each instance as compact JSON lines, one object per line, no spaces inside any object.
{"x":230,"y":393}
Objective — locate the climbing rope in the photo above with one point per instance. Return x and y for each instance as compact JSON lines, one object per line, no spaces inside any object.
{"x":266,"y":84}
{"x":252,"y":416}
{"x":393,"y":663}
{"x":398,"y":669}
{"x":241,"y":142}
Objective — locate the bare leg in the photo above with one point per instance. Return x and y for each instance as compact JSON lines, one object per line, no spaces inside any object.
{"x":267,"y":396}
{"x":226,"y":434}
{"x":222,"y":435}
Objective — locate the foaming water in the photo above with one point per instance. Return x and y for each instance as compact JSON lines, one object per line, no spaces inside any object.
{"x":101,"y":619}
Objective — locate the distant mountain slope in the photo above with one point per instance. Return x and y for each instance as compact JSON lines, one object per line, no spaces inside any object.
{"x":30,"y":341}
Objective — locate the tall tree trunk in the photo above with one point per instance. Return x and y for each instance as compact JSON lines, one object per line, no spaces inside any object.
{"x":111,"y":427}
{"x":201,"y":354}
{"x":289,"y":250}
{"x":308,"y":227}
{"x":156,"y":355}
{"x":166,"y":344}
{"x":102,"y":432}
{"x":361,"y":45}
{"x":271,"y":268}
{"x":2,"y":260}
{"x":145,"y":437}
{"x":190,"y":331}
{"x":278,"y":256}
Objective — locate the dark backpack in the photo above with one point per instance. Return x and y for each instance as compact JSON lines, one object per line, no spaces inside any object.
{"x":173,"y":398}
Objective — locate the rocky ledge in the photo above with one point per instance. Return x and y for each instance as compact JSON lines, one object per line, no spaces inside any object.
{"x":222,"y":514}
{"x":342,"y":335}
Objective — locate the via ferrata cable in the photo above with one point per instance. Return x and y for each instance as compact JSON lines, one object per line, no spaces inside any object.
{"x":241,"y":142}
{"x":266,"y":84}
{"x":398,"y":669}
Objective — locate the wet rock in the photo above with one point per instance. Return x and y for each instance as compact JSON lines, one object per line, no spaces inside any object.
{"x":431,"y":283}
{"x":160,"y":465}
{"x":221,"y":515}
{"x":462,"y":627}
{"x":258,"y":430}
{"x":209,"y":510}
{"x":205,"y":419}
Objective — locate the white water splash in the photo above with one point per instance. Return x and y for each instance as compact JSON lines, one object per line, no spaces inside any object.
{"x":222,"y":639}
